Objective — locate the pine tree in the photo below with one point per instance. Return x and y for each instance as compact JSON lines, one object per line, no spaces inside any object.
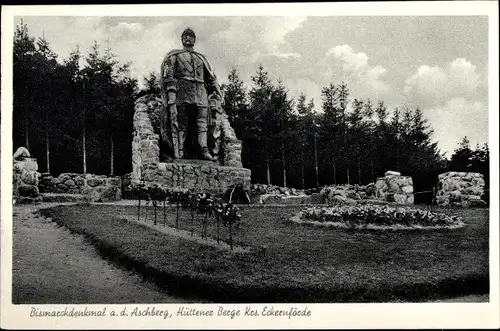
{"x":234,"y":97}
{"x":258,"y":121}
{"x":330,"y":127}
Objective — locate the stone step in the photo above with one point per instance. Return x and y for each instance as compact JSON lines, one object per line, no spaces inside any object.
{"x":62,"y":197}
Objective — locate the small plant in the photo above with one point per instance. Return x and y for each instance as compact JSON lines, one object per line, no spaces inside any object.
{"x":157,"y":194}
{"x":230,"y":218}
{"x":141,"y":192}
{"x":238,"y":194}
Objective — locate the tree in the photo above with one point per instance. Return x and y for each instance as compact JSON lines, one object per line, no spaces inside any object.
{"x":152,"y":83}
{"x":356,"y":139}
{"x":281,"y":121}
{"x":258,"y":118}
{"x":330,"y":126}
{"x":343,"y":94}
{"x":234,"y":97}
{"x":463,"y":157}
{"x":24,"y":69}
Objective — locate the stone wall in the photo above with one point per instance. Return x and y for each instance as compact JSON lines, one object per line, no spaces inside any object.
{"x":349,"y":194}
{"x":259,"y":189}
{"x":25,"y":177}
{"x":191,"y":174}
{"x":395,"y":188}
{"x":463,"y":189}
{"x":96,"y":188}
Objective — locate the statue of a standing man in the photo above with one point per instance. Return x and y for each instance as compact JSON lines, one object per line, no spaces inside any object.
{"x":187,"y":82}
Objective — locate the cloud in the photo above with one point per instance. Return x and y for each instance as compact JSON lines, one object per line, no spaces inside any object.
{"x":127,"y":30}
{"x":456,"y":118}
{"x":358,"y":73}
{"x":435,"y":85}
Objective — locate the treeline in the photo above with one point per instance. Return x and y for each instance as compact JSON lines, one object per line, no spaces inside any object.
{"x":79,"y":119}
{"x":72,"y":117}
{"x":348,"y":141}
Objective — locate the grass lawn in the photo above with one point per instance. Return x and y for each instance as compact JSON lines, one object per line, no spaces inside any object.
{"x":292,"y":262}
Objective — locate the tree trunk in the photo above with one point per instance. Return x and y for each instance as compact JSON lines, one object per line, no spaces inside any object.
{"x":84,"y":131}
{"x":334,"y":171}
{"x":268,"y":171}
{"x":348,"y":175}
{"x":83,"y":145}
{"x":47,"y":142}
{"x":27,"y":131}
{"x":359,"y":171}
{"x":112,"y":157}
{"x":316,"y":160}
{"x":373,"y":171}
{"x":283,"y":162}
{"x":302,"y":179}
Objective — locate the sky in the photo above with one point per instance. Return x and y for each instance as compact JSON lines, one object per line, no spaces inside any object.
{"x":438,"y":63}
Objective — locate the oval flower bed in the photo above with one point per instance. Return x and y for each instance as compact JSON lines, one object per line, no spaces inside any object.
{"x":376,"y":218}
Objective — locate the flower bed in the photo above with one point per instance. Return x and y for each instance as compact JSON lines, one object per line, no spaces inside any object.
{"x":376,"y":217}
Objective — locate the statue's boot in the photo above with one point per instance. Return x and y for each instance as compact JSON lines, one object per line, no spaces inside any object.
{"x":202,"y":141}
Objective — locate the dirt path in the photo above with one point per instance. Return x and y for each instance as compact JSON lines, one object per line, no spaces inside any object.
{"x":51,"y":265}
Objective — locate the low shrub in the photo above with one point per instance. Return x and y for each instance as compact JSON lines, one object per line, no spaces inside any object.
{"x":198,"y":203}
{"x":382,"y":216}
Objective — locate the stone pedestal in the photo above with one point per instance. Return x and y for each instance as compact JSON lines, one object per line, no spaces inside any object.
{"x":196,"y":175}
{"x":395,"y":188}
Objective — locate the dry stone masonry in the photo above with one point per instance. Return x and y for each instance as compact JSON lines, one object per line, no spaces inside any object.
{"x":25,"y":177}
{"x":95,"y":188}
{"x":395,"y":188}
{"x":192,"y":174}
{"x":463,"y":189}
{"x":348,"y":194}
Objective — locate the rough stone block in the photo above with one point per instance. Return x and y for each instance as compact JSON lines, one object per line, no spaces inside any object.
{"x":70,"y":183}
{"x":29,"y":177}
{"x":28,"y":190}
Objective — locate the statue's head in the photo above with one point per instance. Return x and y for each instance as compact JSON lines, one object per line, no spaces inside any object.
{"x":188,"y":38}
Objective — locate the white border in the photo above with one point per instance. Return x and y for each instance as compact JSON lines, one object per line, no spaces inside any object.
{"x":404,"y":315}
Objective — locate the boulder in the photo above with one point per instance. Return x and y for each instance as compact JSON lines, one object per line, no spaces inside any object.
{"x":31,"y":164}
{"x":95,"y":181}
{"x":91,"y":194}
{"x":28,"y":190}
{"x":70,"y":183}
{"x":392,"y":173}
{"x":30,"y":177}
{"x":111,"y":193}
{"x":21,"y":154}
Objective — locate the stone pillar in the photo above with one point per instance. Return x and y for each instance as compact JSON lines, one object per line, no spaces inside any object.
{"x":463,"y":189}
{"x":25,"y":177}
{"x":395,"y":188}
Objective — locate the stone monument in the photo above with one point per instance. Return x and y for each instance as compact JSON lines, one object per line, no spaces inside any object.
{"x":25,"y":177}
{"x":463,"y":189}
{"x":184,"y":138}
{"x":395,"y":188}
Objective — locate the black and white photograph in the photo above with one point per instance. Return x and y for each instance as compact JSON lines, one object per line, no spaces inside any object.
{"x":250,"y":165}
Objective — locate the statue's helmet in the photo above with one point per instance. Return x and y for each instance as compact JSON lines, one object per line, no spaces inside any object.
{"x":188,"y":32}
